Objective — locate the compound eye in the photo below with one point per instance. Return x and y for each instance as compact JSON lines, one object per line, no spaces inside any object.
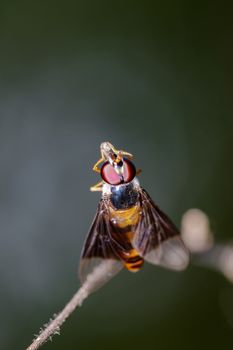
{"x":110,"y":176}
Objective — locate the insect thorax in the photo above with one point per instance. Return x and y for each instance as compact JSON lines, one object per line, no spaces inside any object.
{"x":122,"y":196}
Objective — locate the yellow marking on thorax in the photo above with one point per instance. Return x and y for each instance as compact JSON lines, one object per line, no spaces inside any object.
{"x":125,"y":217}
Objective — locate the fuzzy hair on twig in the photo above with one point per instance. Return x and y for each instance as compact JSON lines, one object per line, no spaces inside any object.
{"x":53,"y":326}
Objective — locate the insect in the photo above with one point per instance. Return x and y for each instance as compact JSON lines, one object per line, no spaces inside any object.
{"x":128,"y":227}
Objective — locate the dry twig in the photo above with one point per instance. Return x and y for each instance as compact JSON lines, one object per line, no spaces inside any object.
{"x":53,"y":327}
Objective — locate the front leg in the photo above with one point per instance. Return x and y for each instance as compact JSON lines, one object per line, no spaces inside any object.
{"x":97,"y":187}
{"x":95,"y":167}
{"x":126,"y":154}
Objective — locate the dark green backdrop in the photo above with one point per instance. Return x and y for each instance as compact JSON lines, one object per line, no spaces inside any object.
{"x":154,"y":79}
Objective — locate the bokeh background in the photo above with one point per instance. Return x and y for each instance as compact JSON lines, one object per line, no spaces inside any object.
{"x":155,"y":79}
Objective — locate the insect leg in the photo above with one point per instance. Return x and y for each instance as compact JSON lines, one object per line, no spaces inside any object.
{"x":126,"y":154}
{"x":97,"y":187}
{"x":95,"y":167}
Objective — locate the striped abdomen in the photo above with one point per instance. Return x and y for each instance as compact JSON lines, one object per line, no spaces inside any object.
{"x":124,"y":220}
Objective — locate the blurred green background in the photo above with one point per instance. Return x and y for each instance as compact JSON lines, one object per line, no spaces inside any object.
{"x":155,"y":79}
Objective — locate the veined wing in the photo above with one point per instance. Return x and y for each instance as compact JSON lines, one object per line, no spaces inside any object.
{"x":100,"y":260}
{"x":156,"y":237}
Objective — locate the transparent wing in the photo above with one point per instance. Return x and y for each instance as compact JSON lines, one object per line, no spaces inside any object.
{"x":99,"y":258}
{"x":157,"y":239}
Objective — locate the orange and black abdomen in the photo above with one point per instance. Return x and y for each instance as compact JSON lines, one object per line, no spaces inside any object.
{"x":134,"y":262}
{"x":123,"y":222}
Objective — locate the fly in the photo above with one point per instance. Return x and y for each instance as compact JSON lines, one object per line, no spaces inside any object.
{"x":128,"y":228}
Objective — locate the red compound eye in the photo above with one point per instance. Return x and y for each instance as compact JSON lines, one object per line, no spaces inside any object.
{"x":110,"y":176}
